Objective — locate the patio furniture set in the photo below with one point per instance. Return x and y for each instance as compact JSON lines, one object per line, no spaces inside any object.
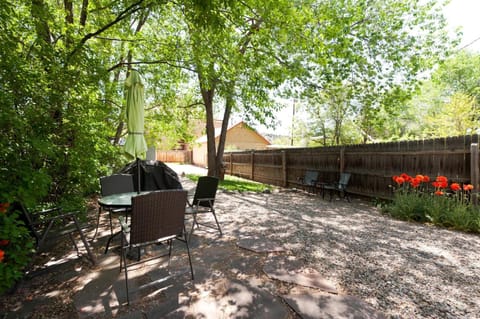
{"x":146,"y":218}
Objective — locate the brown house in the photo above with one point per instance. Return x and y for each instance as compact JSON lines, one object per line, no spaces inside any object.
{"x":239,"y":137}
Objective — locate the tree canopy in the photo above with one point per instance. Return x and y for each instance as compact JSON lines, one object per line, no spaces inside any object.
{"x":63,"y":64}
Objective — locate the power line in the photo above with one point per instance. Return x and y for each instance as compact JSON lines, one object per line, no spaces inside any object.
{"x":469,"y":44}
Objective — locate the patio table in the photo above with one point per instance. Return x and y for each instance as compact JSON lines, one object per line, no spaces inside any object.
{"x":116,"y":201}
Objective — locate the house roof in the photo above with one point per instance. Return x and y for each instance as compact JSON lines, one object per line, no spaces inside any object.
{"x":203,"y":139}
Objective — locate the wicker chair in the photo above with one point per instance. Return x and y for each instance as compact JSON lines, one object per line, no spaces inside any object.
{"x":114,"y":184}
{"x":203,"y":203}
{"x":157,"y":217}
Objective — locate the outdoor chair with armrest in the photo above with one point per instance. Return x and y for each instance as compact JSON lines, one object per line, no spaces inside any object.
{"x":114,"y":184}
{"x":157,"y":217}
{"x":339,"y":187}
{"x":309,"y":180}
{"x":203,"y":203}
{"x":53,"y":223}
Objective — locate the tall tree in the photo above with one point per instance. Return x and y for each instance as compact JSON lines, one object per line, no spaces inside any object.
{"x":235,"y":51}
{"x":448,"y":104}
{"x":54,"y":95}
{"x":379,"y":48}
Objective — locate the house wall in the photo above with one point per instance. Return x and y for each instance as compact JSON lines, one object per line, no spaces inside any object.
{"x":238,"y":138}
{"x":199,"y":154}
{"x":243,"y":138}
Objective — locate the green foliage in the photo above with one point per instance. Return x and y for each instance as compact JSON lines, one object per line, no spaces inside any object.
{"x":232,"y":183}
{"x":415,"y":199}
{"x":55,"y":132}
{"x":438,"y":210}
{"x":374,"y":53}
{"x":16,"y":246}
{"x":448,"y":104}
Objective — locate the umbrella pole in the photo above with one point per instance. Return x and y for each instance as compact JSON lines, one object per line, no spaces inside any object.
{"x":138,"y":173}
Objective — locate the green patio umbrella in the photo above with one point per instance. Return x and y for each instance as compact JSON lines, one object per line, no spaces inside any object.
{"x":135,"y":144}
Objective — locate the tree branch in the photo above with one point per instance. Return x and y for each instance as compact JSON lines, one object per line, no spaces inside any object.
{"x":123,"y":15}
{"x":121,"y":64}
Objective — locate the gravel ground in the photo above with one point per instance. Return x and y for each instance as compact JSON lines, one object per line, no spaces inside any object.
{"x":405,"y":270}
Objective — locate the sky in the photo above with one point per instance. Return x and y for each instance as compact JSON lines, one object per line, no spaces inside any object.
{"x":465,"y":14}
{"x":459,"y":13}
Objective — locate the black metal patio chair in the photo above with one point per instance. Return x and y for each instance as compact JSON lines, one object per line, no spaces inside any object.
{"x":309,"y":180}
{"x":51,"y":224}
{"x":203,"y":203}
{"x":339,"y":187}
{"x":114,"y":184}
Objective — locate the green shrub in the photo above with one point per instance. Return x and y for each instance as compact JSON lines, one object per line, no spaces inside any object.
{"x":448,"y":206}
{"x":16,"y":246}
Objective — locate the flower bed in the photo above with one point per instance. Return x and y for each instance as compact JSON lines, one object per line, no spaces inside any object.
{"x":438,"y":202}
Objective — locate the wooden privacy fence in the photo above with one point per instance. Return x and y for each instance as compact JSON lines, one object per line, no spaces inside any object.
{"x":175,"y":156}
{"x":371,"y":165}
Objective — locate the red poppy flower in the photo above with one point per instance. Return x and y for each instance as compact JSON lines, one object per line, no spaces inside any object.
{"x":419,"y":177}
{"x":415,"y":182}
{"x":439,"y":193}
{"x":442,"y":179}
{"x":455,"y":187}
{"x":4,"y":207}
{"x":426,"y":179}
{"x":2,"y":255}
{"x":467,"y":187}
{"x":399,"y":180}
{"x":406,"y":177}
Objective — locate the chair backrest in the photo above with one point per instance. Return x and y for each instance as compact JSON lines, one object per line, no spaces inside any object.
{"x":26,"y":218}
{"x":116,"y":184}
{"x":206,"y":189}
{"x":157,"y":215}
{"x":343,"y":182}
{"x":311,"y":177}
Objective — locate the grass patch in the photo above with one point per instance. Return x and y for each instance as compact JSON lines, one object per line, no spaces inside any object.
{"x":233,"y":183}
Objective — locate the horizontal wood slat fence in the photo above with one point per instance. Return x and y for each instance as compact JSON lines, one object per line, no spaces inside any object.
{"x":180,"y":156}
{"x":371,"y":165}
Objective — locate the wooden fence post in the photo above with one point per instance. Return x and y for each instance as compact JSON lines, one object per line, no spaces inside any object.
{"x":474,"y":172}
{"x":252,"y":164}
{"x":231,"y":163}
{"x":284,"y":169}
{"x":342,"y":160}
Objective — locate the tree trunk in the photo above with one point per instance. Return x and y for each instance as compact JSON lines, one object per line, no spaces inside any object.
{"x":207,"y":95}
{"x":219,"y":168}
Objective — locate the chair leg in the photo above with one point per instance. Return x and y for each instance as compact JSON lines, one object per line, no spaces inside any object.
{"x":98,"y":222}
{"x":216,"y":221}
{"x":194,"y":221}
{"x":124,"y":257}
{"x":41,"y":241}
{"x":170,"y":246}
{"x":189,"y":259}
{"x":84,"y":240}
{"x":111,"y":224}
{"x":74,"y":243}
{"x":188,"y":249}
{"x":123,"y":262}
